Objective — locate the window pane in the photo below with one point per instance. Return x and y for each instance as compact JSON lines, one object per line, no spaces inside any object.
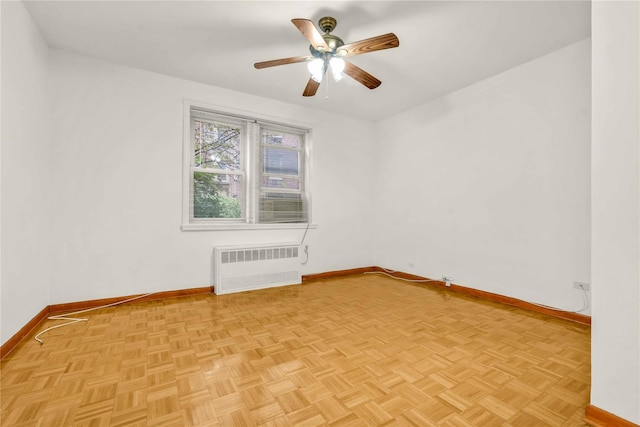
{"x":282,"y":207}
{"x":276,"y":182}
{"x":216,"y":146}
{"x":292,"y":140}
{"x":280,"y":161}
{"x":217,"y":195}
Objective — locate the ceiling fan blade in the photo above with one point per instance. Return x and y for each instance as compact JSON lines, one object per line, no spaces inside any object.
{"x":310,"y":32}
{"x":385,"y":41}
{"x":311,"y":88}
{"x":361,"y":75}
{"x":283,"y":61}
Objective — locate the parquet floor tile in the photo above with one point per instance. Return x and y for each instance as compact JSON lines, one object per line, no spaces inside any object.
{"x":353,"y":351}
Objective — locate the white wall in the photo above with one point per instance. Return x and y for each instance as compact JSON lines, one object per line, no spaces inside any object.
{"x":117,"y":183}
{"x":615,"y":342}
{"x":25,"y":171}
{"x":490,"y":184}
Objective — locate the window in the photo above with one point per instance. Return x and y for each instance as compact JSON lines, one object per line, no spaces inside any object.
{"x":242,"y":171}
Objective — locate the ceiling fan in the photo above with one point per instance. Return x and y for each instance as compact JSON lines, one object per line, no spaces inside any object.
{"x":328,"y":52}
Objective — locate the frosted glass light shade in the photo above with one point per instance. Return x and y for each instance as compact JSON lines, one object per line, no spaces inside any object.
{"x":316,"y":68}
{"x":337,"y":68}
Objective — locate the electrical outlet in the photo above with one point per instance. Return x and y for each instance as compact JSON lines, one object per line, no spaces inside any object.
{"x":582,"y":286}
{"x":447,"y":280}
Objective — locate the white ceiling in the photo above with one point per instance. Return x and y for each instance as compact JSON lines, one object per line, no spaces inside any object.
{"x":444,"y":45}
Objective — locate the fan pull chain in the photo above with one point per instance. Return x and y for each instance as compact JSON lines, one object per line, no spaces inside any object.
{"x":326,"y":96}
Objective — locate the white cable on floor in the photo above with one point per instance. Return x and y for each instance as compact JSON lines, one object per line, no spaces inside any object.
{"x":585,"y":304}
{"x":400,"y":278}
{"x":74,"y":320}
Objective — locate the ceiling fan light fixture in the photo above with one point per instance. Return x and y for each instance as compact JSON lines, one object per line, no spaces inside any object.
{"x":316,"y":68}
{"x":337,"y":68}
{"x":327,"y":52}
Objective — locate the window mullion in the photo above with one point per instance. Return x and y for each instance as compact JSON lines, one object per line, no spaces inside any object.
{"x":253,"y":171}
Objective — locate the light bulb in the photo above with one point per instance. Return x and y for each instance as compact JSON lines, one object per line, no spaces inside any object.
{"x":337,"y":67}
{"x":316,"y":68}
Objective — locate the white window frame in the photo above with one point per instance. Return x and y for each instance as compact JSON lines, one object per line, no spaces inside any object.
{"x":250,"y":165}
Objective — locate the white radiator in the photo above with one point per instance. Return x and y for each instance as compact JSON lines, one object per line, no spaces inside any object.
{"x":238,"y":269}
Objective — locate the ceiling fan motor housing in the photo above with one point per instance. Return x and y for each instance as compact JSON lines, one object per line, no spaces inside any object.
{"x":334,"y":43}
{"x":327,"y":24}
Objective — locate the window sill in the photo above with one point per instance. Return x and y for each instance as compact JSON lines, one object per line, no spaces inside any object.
{"x":244,"y":226}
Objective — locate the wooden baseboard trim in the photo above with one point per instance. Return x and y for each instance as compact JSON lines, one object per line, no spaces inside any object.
{"x":574,"y":317}
{"x":600,"y":418}
{"x":338,"y":273}
{"x":84,"y":305}
{"x":26,"y":330}
{"x":54,"y":309}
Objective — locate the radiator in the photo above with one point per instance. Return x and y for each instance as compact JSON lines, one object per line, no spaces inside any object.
{"x":238,"y":269}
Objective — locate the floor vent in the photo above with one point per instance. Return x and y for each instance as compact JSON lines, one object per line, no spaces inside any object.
{"x":238,"y":269}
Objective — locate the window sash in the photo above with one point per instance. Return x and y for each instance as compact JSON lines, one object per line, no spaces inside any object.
{"x":222,"y":205}
{"x":281,"y":204}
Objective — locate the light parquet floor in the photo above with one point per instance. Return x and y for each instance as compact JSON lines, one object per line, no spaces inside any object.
{"x":354,"y":351}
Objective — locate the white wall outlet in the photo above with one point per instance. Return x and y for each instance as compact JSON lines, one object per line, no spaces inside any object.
{"x":582,"y":286}
{"x":447,"y":280}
